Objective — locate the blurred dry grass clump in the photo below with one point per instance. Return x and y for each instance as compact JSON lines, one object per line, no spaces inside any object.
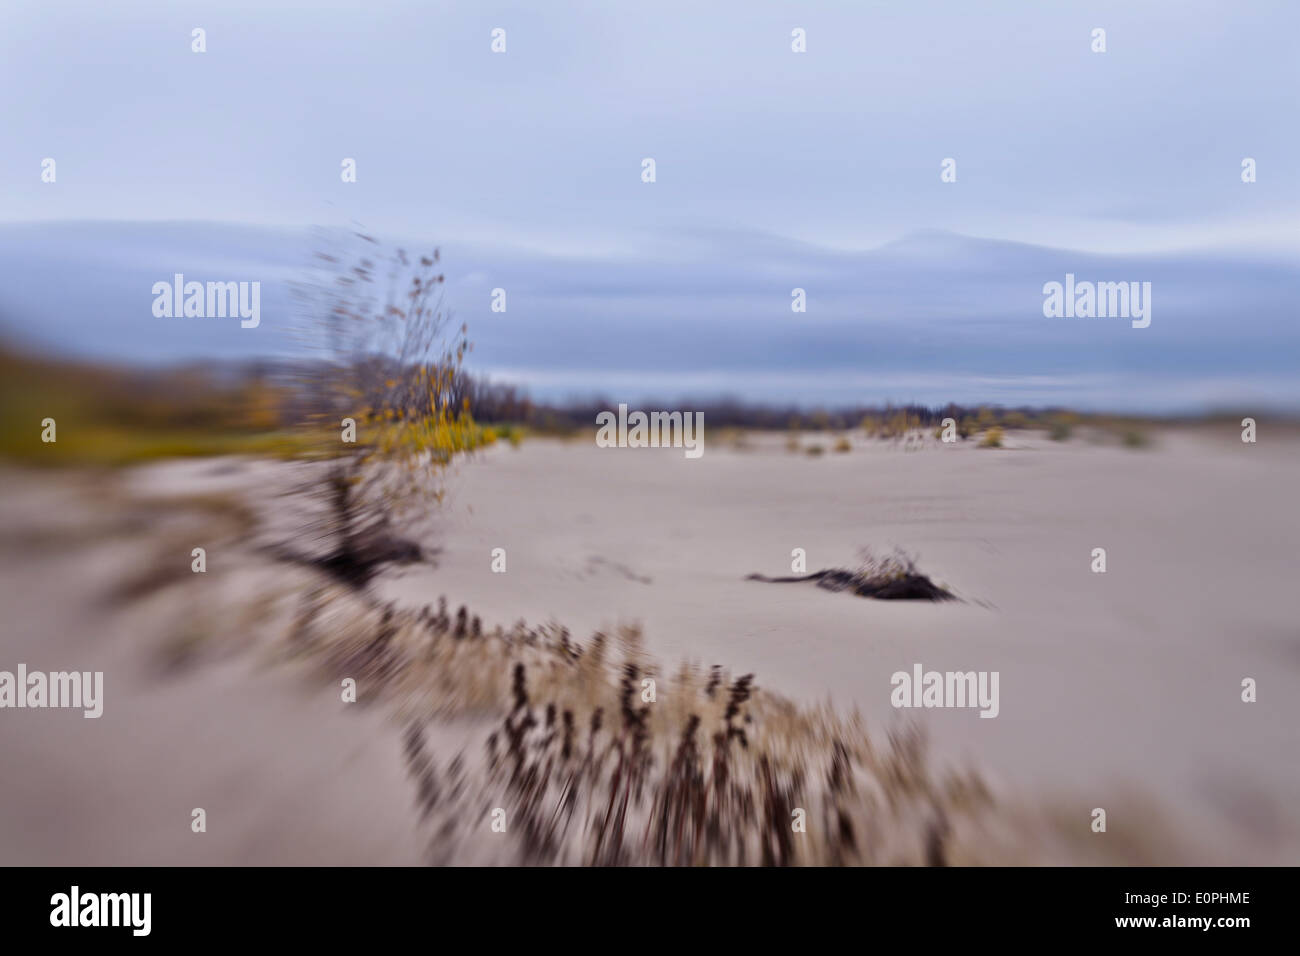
{"x":714,"y":771}
{"x":590,"y":772}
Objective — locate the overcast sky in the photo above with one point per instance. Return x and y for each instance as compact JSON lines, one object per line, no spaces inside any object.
{"x":536,"y":153}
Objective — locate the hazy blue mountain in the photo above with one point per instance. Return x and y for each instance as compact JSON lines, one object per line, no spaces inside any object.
{"x":931,"y":317}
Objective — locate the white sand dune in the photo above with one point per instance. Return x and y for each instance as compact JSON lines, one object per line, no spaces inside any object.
{"x":286,"y":773}
{"x":1110,"y":683}
{"x":1115,"y":688}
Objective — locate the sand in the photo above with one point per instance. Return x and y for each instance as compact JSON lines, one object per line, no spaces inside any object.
{"x":1110,"y":684}
{"x":286,"y":772}
{"x":1117,"y":690}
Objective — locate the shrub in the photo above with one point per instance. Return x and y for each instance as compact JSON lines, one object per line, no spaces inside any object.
{"x":992,"y":438}
{"x":843,"y":445}
{"x":390,"y":359}
{"x":899,"y":424}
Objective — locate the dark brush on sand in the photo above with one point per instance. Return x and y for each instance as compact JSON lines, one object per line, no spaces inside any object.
{"x":894,"y":578}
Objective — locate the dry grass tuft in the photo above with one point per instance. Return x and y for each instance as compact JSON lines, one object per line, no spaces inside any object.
{"x":591,"y":771}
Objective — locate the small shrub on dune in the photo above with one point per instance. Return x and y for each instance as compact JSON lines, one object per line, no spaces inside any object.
{"x":992,"y":438}
{"x":895,"y":577}
{"x":899,"y":424}
{"x":737,"y":439}
{"x":890,"y":578}
{"x":815,"y":450}
{"x":843,"y":445}
{"x":389,"y":360}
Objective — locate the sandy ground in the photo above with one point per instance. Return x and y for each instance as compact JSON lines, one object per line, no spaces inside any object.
{"x":286,"y":772}
{"x":1114,"y":687}
{"x":1110,"y":683}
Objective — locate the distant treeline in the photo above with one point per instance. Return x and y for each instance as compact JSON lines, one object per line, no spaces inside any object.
{"x":118,"y":414}
{"x":493,"y":403}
